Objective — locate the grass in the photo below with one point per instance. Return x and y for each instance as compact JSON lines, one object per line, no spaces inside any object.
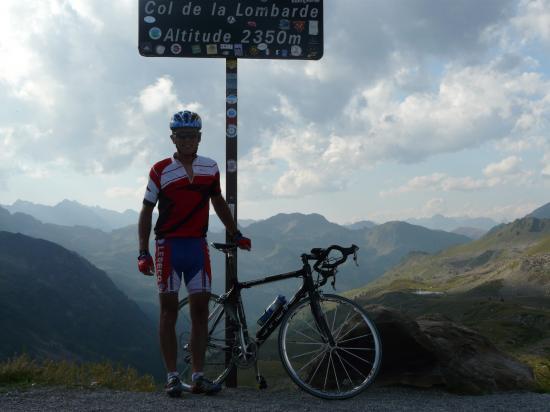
{"x":542,"y":247}
{"x":23,"y":371}
{"x":541,"y":370}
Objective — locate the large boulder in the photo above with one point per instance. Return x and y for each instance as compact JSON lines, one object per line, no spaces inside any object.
{"x":434,"y":351}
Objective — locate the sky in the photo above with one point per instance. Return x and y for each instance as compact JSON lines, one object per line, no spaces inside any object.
{"x":417,"y":107}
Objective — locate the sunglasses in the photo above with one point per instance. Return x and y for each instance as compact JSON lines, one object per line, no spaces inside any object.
{"x":186,"y":135}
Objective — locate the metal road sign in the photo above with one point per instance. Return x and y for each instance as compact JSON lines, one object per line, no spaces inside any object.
{"x":254,"y":29}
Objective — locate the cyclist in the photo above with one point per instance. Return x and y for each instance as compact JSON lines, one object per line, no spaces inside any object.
{"x":183,"y":185}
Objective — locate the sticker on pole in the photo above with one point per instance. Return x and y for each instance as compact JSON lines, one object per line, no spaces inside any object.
{"x":266,"y":29}
{"x":231,"y":131}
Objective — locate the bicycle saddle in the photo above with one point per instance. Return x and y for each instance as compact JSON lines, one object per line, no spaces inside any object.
{"x":224,"y":247}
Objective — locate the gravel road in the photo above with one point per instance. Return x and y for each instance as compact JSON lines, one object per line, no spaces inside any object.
{"x":248,"y":399}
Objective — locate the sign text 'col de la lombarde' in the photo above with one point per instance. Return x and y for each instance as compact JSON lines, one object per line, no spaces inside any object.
{"x":268,"y":29}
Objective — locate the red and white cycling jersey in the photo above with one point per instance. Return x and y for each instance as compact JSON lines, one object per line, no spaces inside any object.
{"x":183,"y":204}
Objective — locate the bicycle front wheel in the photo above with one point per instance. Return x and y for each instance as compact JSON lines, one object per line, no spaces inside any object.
{"x":327,"y":371}
{"x":216,"y":349}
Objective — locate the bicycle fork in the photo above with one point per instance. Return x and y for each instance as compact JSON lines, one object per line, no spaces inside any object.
{"x":321,"y":320}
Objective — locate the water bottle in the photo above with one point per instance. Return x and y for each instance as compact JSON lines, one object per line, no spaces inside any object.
{"x":271,"y":309}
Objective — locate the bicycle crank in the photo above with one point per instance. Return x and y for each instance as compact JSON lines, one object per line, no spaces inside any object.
{"x":247,"y":358}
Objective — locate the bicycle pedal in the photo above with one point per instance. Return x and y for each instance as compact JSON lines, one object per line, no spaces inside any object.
{"x":262,"y":383}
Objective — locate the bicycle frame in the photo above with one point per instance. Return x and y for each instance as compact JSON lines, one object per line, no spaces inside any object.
{"x":307,"y":288}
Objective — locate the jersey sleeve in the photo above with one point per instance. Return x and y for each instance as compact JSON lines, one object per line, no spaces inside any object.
{"x":153,"y":188}
{"x":215,"y":188}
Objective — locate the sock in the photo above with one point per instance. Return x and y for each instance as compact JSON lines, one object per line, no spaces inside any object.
{"x":196,"y":375}
{"x":171,"y":375}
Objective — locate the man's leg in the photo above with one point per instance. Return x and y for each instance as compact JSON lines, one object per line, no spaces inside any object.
{"x":198,"y":307}
{"x":167,"y":330}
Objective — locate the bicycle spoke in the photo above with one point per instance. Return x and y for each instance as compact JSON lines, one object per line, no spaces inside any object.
{"x":335,"y":375}
{"x":356,"y":325}
{"x":367,"y":349}
{"x":318,"y":366}
{"x":320,"y":353}
{"x":334,"y":320}
{"x":358,"y":357}
{"x":343,"y":366}
{"x":328,"y":367}
{"x":307,"y":336}
{"x":224,"y":348}
{"x":354,"y":368}
{"x":303,"y":354}
{"x":306,"y":343}
{"x":312,"y":328}
{"x":342,"y":326}
{"x":212,"y":313}
{"x":357,"y":337}
{"x":216,"y":322}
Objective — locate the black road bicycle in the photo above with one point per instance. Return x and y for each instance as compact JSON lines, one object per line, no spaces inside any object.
{"x":327,"y":343}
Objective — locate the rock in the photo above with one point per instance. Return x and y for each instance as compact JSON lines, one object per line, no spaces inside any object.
{"x":427,"y":352}
{"x":433,"y":350}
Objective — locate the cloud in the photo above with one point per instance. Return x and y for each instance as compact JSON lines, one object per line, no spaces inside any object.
{"x":123,"y":192}
{"x":533,"y":20}
{"x":434,"y":206}
{"x":467,"y":183}
{"x":399,"y":82}
{"x":504,"y":167}
{"x":158,"y":96}
{"x":441,"y":182}
{"x":546,"y":165}
{"x":301,"y":158}
{"x":472,"y":105}
{"x":521,"y":144}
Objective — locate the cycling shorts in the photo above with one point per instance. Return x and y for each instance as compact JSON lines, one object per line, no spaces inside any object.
{"x":183,"y":257}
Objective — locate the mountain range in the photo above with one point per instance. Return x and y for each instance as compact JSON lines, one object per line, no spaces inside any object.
{"x":55,"y":304}
{"x":450,"y":224}
{"x":72,"y":213}
{"x":277,"y":245}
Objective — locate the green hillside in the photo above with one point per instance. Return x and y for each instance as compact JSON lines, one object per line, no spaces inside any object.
{"x":513,"y":258}
{"x":55,"y":304}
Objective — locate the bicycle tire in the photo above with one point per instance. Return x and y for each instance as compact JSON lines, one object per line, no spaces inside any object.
{"x":214,"y":364}
{"x":366,"y":348}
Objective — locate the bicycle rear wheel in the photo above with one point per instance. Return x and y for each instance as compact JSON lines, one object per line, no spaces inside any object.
{"x":337,"y":372}
{"x":216,"y":349}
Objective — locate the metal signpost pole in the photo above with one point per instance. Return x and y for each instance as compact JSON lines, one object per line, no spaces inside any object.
{"x":230,"y":189}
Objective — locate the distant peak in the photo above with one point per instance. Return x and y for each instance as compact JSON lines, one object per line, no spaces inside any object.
{"x":20,"y":202}
{"x":68,"y":202}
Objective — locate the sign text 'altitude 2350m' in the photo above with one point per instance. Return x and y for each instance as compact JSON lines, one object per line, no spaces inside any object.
{"x":256,"y":29}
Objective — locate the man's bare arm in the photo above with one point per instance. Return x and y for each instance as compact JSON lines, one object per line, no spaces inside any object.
{"x":144,"y":226}
{"x":224,"y":213}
